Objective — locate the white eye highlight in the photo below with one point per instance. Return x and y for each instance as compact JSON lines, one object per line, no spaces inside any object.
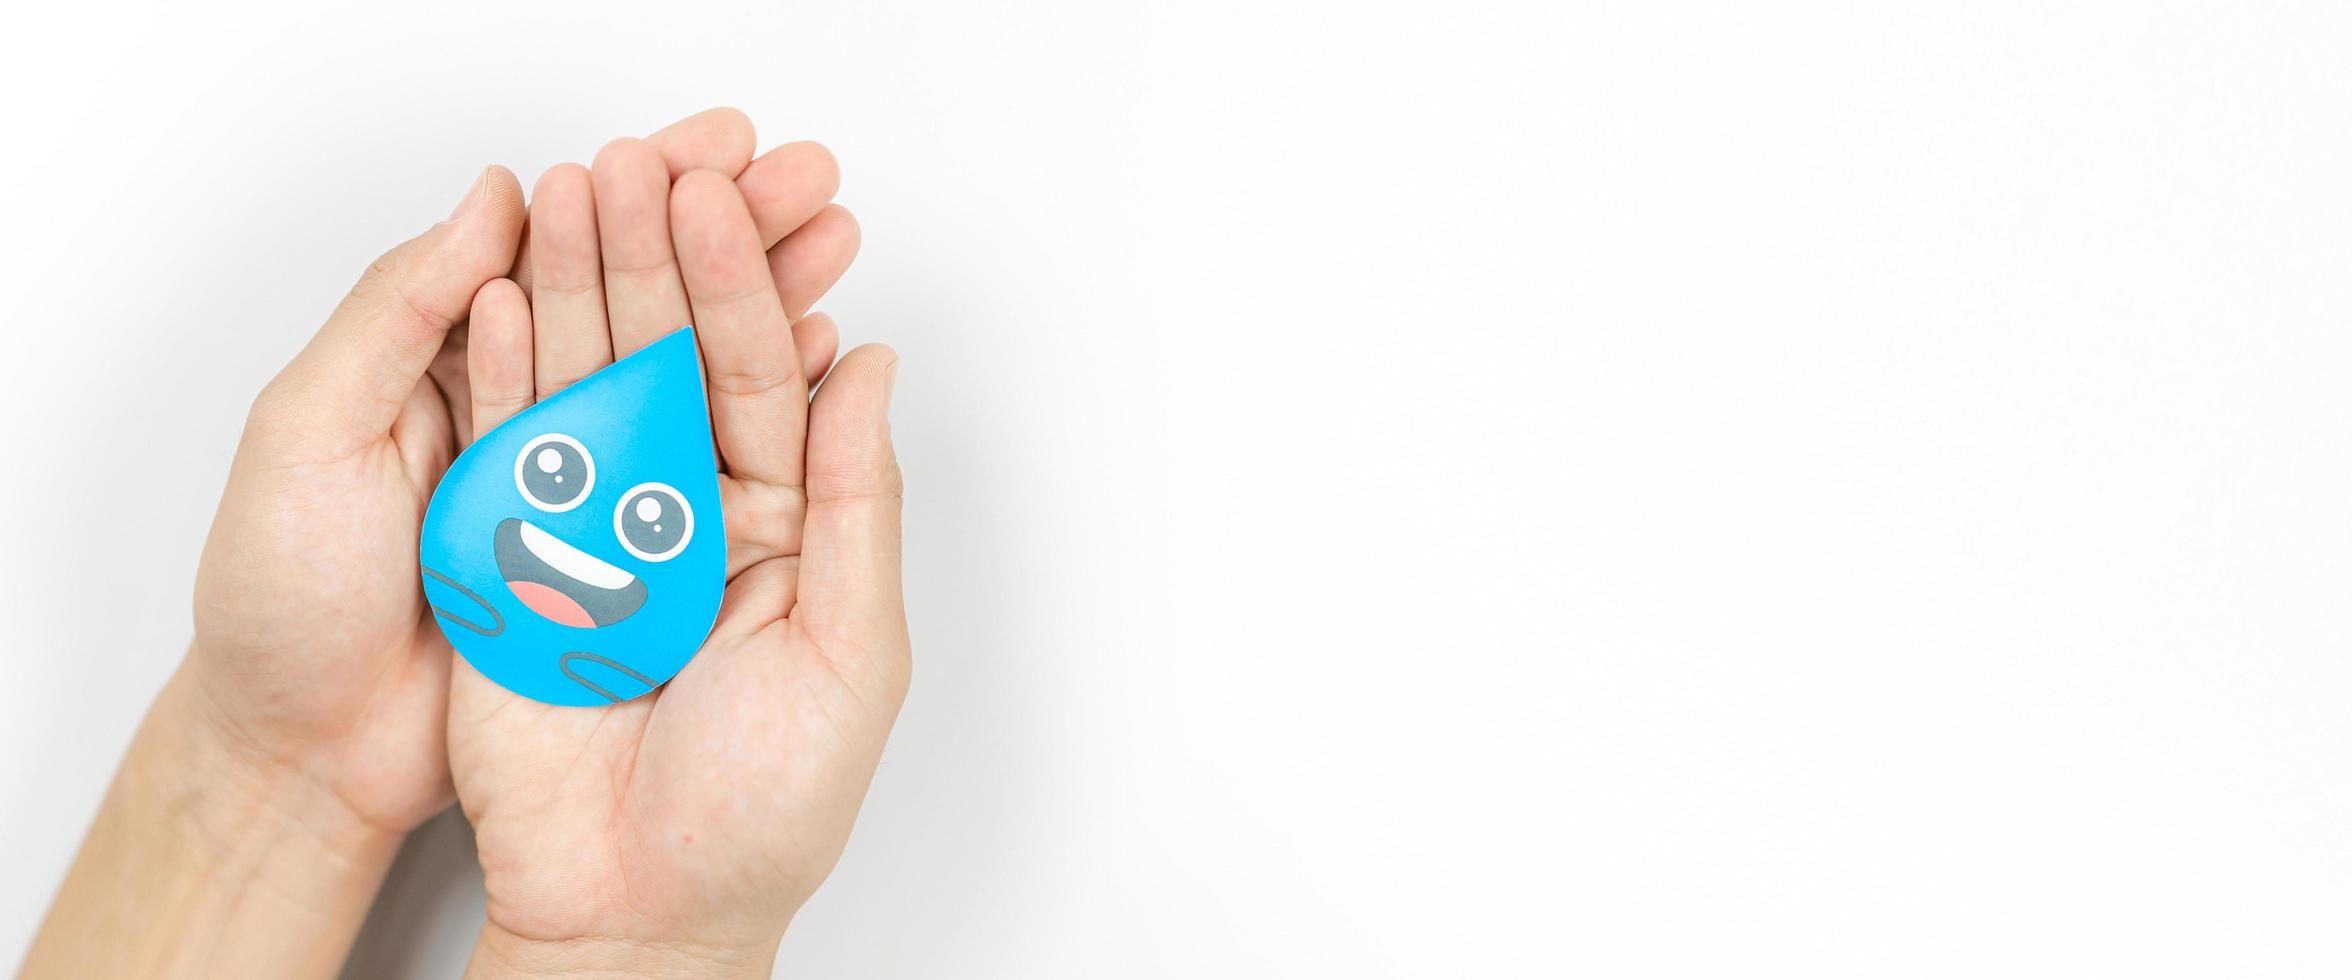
{"x":554,"y":472}
{"x":653,"y":522}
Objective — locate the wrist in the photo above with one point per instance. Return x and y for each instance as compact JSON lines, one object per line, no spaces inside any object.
{"x":499,"y":953}
{"x":214,"y":783}
{"x":202,"y":859}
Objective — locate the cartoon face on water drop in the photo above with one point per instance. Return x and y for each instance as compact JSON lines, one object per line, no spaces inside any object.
{"x":575,"y":554}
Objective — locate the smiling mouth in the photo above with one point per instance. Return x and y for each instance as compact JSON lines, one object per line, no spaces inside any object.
{"x":563,"y":583}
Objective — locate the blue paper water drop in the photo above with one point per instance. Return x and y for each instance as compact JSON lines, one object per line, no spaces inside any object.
{"x":576,"y":554}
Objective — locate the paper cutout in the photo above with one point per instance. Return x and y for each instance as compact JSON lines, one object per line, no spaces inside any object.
{"x":576,"y":554}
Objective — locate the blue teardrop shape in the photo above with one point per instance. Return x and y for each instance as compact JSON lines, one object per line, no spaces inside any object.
{"x":576,"y":554}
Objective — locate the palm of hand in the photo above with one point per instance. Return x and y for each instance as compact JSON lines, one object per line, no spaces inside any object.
{"x":709,"y":809}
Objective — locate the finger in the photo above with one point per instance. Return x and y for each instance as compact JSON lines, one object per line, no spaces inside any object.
{"x":786,"y":187}
{"x":713,"y":139}
{"x":809,"y":261}
{"x":357,"y":373}
{"x":498,"y":354}
{"x":718,"y":139}
{"x":849,"y":571}
{"x":567,"y":282}
{"x":644,"y":297}
{"x":759,"y":398}
{"x":815,"y":337}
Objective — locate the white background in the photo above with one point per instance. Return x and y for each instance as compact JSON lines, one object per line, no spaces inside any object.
{"x":1849,"y":489}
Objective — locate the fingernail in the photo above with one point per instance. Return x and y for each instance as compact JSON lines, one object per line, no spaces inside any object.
{"x":889,"y":383}
{"x":474,"y":196}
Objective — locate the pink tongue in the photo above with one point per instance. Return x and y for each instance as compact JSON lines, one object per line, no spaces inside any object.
{"x":552,"y":604}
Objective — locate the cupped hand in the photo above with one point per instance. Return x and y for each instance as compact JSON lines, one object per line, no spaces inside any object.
{"x":690,"y":824}
{"x":312,"y":651}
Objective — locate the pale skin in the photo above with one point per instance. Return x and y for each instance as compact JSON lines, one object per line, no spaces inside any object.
{"x":318,"y":718}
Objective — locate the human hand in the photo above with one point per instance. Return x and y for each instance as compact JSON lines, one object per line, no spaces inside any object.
{"x":683,"y":829}
{"x":312,"y":654}
{"x":272,"y":780}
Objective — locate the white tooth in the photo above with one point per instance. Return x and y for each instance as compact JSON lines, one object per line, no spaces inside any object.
{"x":572,"y":561}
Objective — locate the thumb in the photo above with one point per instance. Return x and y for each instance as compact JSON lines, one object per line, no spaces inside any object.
{"x":356,"y":373}
{"x":849,"y":554}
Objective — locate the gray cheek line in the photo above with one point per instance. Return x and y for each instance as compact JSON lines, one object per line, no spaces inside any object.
{"x":564,"y":664}
{"x":497,"y":622}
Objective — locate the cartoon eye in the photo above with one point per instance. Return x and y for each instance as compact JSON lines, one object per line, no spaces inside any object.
{"x":555,"y":472}
{"x":653,"y":521}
